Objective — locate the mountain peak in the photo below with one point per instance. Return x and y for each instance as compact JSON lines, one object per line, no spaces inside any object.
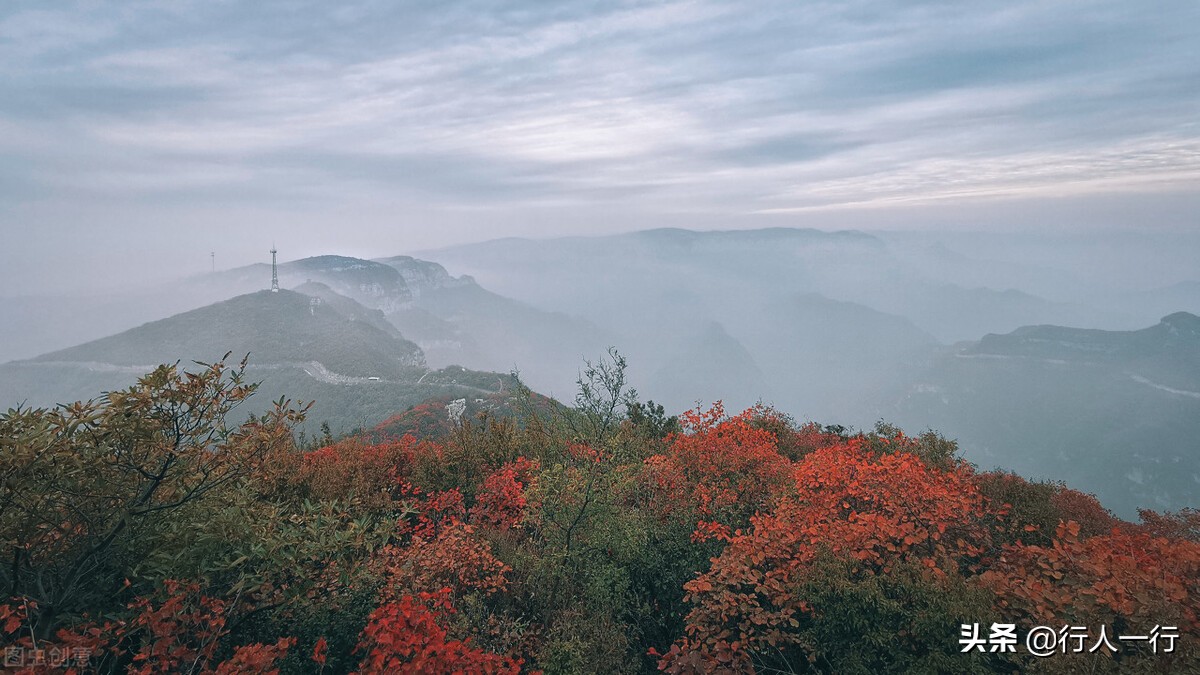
{"x":277,"y":328}
{"x":423,"y":276}
{"x":1184,"y":323}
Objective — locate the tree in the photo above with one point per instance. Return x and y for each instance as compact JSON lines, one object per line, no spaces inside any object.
{"x":81,"y":481}
{"x":601,"y":395}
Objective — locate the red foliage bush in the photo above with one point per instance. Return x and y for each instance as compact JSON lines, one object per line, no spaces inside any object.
{"x":500,"y":503}
{"x":454,"y":559}
{"x":876,"y":510}
{"x":406,"y":637}
{"x":354,"y":468}
{"x":1084,"y":509}
{"x":181,"y":632}
{"x":1184,"y":524}
{"x":723,"y":469}
{"x":1126,"y":580}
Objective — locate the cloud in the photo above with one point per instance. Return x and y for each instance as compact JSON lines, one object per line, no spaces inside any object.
{"x":700,"y":106}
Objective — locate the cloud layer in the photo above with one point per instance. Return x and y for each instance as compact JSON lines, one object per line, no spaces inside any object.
{"x":376,"y":125}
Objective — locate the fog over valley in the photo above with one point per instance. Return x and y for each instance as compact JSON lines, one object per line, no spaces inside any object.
{"x":1076,"y":366}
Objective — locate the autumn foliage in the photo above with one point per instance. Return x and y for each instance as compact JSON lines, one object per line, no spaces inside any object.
{"x":406,"y":636}
{"x":877,"y":510}
{"x":722,"y":469}
{"x":144,"y":533}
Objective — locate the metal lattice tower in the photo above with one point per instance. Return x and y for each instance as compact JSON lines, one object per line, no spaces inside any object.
{"x":274,"y":271}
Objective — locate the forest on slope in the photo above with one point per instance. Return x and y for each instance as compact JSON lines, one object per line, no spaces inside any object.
{"x":146,"y":532}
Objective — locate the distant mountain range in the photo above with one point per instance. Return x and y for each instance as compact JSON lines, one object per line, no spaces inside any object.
{"x":837,"y":327}
{"x":1114,"y":412}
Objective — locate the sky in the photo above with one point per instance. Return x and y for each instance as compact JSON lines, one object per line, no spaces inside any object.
{"x":136,"y":137}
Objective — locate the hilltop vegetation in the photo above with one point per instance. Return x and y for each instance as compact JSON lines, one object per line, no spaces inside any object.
{"x":151,"y":532}
{"x":312,"y":344}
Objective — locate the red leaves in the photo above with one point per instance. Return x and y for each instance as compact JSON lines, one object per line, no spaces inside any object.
{"x":353,"y":468}
{"x":1084,"y":511}
{"x":1126,"y":574}
{"x":876,"y":509}
{"x":184,"y":627}
{"x":1184,"y":524}
{"x":500,"y":503}
{"x":15,"y":617}
{"x":178,"y":632}
{"x":407,"y":637}
{"x":428,"y":513}
{"x":723,"y":469}
{"x":256,"y":658}
{"x":320,"y":651}
{"x":454,"y":560}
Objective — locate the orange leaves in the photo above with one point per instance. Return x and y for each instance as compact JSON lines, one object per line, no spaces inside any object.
{"x":500,"y":503}
{"x":182,"y":628}
{"x":181,"y":631}
{"x":407,"y":637}
{"x":256,"y":658}
{"x":877,"y":510}
{"x":454,"y":559}
{"x":435,"y":549}
{"x":723,"y":469}
{"x":354,"y":468}
{"x":1128,"y":575}
{"x":14,"y":617}
{"x":1184,"y":524}
{"x":1126,"y":579}
{"x":320,"y":652}
{"x":426,"y":514}
{"x":1083,"y":511}
{"x":891,"y":504}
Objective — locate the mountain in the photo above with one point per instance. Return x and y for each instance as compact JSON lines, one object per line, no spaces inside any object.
{"x":623,"y":279}
{"x":372,"y":284}
{"x":1116,"y":411}
{"x":346,"y":307}
{"x":275,"y":328}
{"x":320,"y":346}
{"x":422,"y":276}
{"x":827,"y":358}
{"x":709,"y":365}
{"x":838,"y":327}
{"x":452,"y":319}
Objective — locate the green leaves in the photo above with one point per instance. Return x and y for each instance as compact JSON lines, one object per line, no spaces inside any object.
{"x":83,"y":482}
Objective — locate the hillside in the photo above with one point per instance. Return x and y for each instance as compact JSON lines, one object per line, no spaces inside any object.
{"x":1116,"y":411}
{"x":275,"y":328}
{"x":320,"y":346}
{"x":709,"y":364}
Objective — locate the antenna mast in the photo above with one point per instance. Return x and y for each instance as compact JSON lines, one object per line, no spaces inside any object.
{"x":274,"y":271}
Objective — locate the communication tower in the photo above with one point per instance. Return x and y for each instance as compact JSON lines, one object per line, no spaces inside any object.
{"x":274,"y":271}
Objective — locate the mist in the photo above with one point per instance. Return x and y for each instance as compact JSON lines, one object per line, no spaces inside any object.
{"x":910,"y":212}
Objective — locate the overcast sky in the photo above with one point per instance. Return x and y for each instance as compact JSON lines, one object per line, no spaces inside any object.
{"x":137,"y":137}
